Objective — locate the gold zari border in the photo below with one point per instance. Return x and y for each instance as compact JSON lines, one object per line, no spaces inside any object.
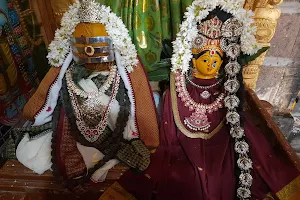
{"x":178,"y":122}
{"x":290,"y":190}
{"x":116,"y":192}
{"x":146,"y":116}
{"x":269,"y":197}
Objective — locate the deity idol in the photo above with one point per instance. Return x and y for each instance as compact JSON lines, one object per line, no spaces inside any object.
{"x":94,"y":108}
{"x":210,"y":148}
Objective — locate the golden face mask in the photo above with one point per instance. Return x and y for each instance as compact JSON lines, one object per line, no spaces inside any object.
{"x":207,"y":65}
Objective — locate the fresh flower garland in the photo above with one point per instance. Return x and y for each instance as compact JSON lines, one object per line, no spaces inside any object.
{"x":60,"y":46}
{"x":182,"y":54}
{"x":198,"y":11}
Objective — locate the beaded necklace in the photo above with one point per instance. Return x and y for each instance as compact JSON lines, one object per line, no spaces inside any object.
{"x":198,"y":121}
{"x":205,"y":94}
{"x":91,"y":95}
{"x":91,"y":134}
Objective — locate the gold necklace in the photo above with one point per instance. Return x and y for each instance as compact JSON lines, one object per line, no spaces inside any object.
{"x":178,"y":122}
{"x":92,"y":134}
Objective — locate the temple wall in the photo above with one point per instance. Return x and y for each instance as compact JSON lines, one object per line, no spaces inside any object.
{"x":279,"y":78}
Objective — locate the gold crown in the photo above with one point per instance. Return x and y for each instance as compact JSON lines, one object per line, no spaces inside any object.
{"x":89,"y":11}
{"x":209,"y":37}
{"x":211,"y":28}
{"x":201,"y":43}
{"x":211,"y":48}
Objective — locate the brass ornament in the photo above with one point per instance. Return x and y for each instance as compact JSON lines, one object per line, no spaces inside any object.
{"x":89,"y":50}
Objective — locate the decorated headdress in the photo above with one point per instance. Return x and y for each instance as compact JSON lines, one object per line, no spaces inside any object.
{"x":109,"y":38}
{"x":208,"y":39}
{"x":94,"y":49}
{"x":118,"y":41}
{"x":115,"y":45}
{"x":231,"y":37}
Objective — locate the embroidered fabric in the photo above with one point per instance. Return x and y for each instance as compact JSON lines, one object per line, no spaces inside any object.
{"x":35,"y":132}
{"x":111,"y":142}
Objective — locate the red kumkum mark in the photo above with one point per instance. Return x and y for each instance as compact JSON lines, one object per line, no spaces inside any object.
{"x":135,"y":134}
{"x":49,"y":109}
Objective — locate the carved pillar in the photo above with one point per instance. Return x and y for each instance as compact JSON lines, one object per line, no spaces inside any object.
{"x":266,"y":17}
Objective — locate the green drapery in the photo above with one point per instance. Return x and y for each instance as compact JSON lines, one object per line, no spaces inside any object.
{"x":149,"y":22}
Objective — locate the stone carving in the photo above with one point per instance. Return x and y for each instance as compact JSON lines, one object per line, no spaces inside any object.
{"x":266,"y":17}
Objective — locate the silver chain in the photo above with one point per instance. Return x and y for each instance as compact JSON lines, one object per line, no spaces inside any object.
{"x":203,"y":87}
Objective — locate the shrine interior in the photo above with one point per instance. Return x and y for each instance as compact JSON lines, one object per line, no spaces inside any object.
{"x":145,"y":99}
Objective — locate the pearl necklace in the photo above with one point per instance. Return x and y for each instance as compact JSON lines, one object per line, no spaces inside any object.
{"x":75,"y":89}
{"x":205,"y":94}
{"x":198,"y":121}
{"x":91,"y":134}
{"x":203,"y":87}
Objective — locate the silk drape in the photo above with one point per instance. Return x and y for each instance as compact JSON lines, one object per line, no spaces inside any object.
{"x":149,"y":22}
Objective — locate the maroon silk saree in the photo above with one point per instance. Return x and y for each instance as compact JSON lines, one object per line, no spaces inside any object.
{"x":196,"y":168}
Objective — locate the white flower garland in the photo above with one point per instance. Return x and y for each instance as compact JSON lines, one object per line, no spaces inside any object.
{"x":198,"y":11}
{"x":182,"y":55}
{"x":60,"y":46}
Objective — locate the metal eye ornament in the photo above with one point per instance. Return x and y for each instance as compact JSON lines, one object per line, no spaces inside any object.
{"x":214,"y":65}
{"x":89,"y":50}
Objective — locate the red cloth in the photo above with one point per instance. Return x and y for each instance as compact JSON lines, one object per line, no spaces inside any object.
{"x":194,"y":169}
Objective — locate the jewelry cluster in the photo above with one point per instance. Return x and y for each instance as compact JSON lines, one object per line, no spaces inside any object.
{"x":205,"y":94}
{"x":198,"y":121}
{"x":199,"y":10}
{"x":231,"y":32}
{"x":93,"y":103}
{"x":232,"y":37}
